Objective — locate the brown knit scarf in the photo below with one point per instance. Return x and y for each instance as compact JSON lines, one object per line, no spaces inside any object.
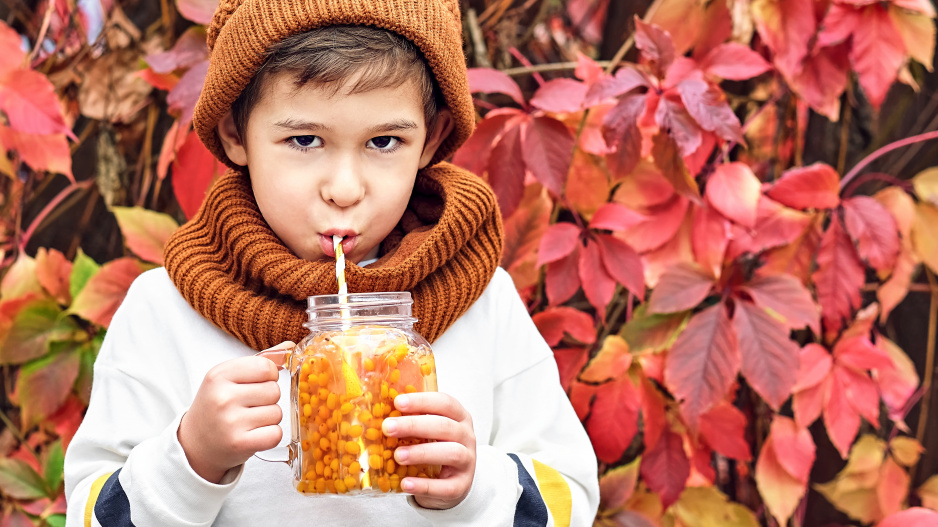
{"x":231,"y":267}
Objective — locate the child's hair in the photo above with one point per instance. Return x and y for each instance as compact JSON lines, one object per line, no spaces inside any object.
{"x":330,"y":56}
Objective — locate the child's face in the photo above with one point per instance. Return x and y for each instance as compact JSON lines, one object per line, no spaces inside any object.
{"x":324,"y":165}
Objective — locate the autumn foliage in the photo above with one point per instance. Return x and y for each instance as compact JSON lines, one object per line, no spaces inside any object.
{"x":715,"y":305}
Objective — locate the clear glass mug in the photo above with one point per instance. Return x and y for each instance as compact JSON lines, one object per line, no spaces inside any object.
{"x":361,"y":352}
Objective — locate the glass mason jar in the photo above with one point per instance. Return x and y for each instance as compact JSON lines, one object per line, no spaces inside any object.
{"x":361,"y":352}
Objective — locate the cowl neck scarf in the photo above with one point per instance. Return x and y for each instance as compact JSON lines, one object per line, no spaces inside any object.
{"x":235,"y":271}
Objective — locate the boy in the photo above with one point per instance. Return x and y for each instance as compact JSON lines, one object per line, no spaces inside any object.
{"x":334,"y":116}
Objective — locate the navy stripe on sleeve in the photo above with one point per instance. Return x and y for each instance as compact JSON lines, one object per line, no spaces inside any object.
{"x":530,"y":511}
{"x":112,"y":509}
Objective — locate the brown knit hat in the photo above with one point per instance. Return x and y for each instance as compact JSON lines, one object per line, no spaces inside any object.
{"x":242,"y":30}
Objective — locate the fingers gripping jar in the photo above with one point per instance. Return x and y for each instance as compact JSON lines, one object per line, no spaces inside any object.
{"x":361,"y":352}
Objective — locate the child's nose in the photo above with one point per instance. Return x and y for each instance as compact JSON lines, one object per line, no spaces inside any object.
{"x":345,"y":186}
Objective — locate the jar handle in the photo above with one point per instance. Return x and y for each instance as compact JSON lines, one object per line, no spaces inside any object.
{"x":280,"y":356}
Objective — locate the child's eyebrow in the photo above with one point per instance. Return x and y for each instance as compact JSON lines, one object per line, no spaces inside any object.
{"x":292,"y":124}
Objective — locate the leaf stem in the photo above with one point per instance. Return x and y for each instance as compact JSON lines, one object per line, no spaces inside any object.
{"x":873,"y":176}
{"x":845,"y":129}
{"x":53,"y":203}
{"x":18,"y":434}
{"x":627,"y":45}
{"x":546,"y":68}
{"x":885,"y":150}
{"x":929,"y":357}
{"x":46,"y":19}
{"x":527,"y":63}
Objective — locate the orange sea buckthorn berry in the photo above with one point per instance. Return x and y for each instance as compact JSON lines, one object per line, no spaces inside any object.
{"x":322,"y":393}
{"x":387,"y":454}
{"x":321,"y":485}
{"x":384,"y":483}
{"x":324,"y":444}
{"x":343,"y":428}
{"x":334,"y":465}
{"x":305,"y":368}
{"x":355,"y":431}
{"x":305,"y":445}
{"x":352,"y":448}
{"x":347,"y":460}
{"x":351,"y":482}
{"x":389,"y":466}
{"x":364,"y":416}
{"x":340,"y":445}
{"x":317,"y":453}
{"x":412,"y":470}
{"x":320,"y":467}
{"x":347,"y":408}
{"x":391,"y":442}
{"x":410,"y":389}
{"x":327,"y":472}
{"x":392,"y":361}
{"x":301,"y":486}
{"x":395,"y":481}
{"x":425,"y":369}
{"x":303,"y":386}
{"x":323,"y":412}
{"x":340,"y":486}
{"x":395,"y":375}
{"x":354,"y":468}
{"x":375,"y":461}
{"x":369,"y":364}
{"x":332,"y":400}
{"x":401,"y":471}
{"x":323,"y":429}
{"x":328,"y":459}
{"x":315,"y":437}
{"x":374,"y":449}
{"x":307,"y":410}
{"x":311,"y":475}
{"x":372,"y":434}
{"x":392,"y":393}
{"x":322,"y":378}
{"x":384,"y":390}
{"x":304,"y":398}
{"x":395,"y":413}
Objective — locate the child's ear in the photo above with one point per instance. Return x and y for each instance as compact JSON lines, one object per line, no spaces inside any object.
{"x":441,"y":130}
{"x":231,"y":140}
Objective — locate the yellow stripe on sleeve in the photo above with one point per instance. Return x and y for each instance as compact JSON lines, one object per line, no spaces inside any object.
{"x":555,"y":491}
{"x":93,"y":497}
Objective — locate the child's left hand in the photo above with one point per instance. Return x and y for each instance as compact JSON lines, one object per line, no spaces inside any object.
{"x":435,"y":415}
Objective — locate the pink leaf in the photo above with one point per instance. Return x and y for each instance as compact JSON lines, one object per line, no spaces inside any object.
{"x":786,"y":295}
{"x":622,"y":263}
{"x":709,"y":238}
{"x":587,"y":70}
{"x":615,"y":217}
{"x":553,"y":322}
{"x":31,"y":105}
{"x":186,"y":92}
{"x":734,"y":61}
{"x":838,"y":278}
{"x":613,"y":420}
{"x":814,"y":364}
{"x":794,"y":447}
{"x":656,"y":45}
{"x":194,"y":169}
{"x":859,"y":353}
{"x":506,"y":170}
{"x":560,"y":96}
{"x":104,"y":291}
{"x":487,"y":80}
{"x":475,"y":153}
{"x":874,"y":230}
{"x":665,"y":467}
{"x":703,"y":362}
{"x":559,"y":241}
{"x":681,"y":287}
{"x":145,"y":231}
{"x":815,"y":186}
{"x":547,"y":148}
{"x":708,"y":106}
{"x":620,"y":130}
{"x":913,"y":517}
{"x":198,"y":11}
{"x":563,"y":278}
{"x":769,"y":357}
{"x":597,"y":284}
{"x":877,"y":53}
{"x":734,"y":191}
{"x":625,"y":80}
{"x":189,"y":50}
{"x":840,"y":418}
{"x":724,"y":429}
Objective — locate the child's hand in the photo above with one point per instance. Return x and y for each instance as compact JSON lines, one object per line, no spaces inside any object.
{"x":440,"y":417}
{"x":234,"y":415}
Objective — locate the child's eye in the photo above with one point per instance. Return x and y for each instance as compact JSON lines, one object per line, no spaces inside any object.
{"x":385,"y":143}
{"x":304,"y":142}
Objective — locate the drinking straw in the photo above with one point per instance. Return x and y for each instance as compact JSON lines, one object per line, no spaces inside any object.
{"x":340,"y":264}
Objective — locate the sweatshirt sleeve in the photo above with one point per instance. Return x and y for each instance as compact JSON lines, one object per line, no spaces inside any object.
{"x":538,"y":468}
{"x":125,"y":465}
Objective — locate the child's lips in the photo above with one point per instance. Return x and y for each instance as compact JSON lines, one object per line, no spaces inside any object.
{"x":348,"y":244}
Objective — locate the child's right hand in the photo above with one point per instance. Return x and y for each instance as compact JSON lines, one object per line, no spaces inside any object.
{"x":234,"y":415}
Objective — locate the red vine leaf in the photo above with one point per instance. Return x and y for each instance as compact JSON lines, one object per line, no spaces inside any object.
{"x":547,"y":149}
{"x":612,"y":361}
{"x":597,"y":284}
{"x":560,"y":96}
{"x":622,"y":263}
{"x":559,"y":241}
{"x":681,"y":287}
{"x":815,"y":186}
{"x":734,"y":61}
{"x":789,"y":298}
{"x":506,"y":170}
{"x":874,"y":230}
{"x":613,"y":420}
{"x":769,"y":357}
{"x":553,"y":322}
{"x":724,"y":429}
{"x":563,"y":278}
{"x":665,"y":467}
{"x":488,"y":80}
{"x":838,"y":278}
{"x":734,"y":190}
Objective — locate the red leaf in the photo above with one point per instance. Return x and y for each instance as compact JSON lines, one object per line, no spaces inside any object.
{"x":53,"y":271}
{"x":587,"y":70}
{"x":874,"y":230}
{"x":838,"y":278}
{"x":709,"y":238}
{"x":707,"y":105}
{"x":816,"y":186}
{"x":787,"y":296}
{"x":581,"y":397}
{"x":173,"y":140}
{"x":823,"y":78}
{"x":840,"y":418}
{"x":31,"y":105}
{"x":877,"y":52}
{"x":198,"y":11}
{"x":67,"y":419}
{"x":622,"y":263}
{"x":558,"y":242}
{"x":11,"y":54}
{"x":814,"y":364}
{"x":681,"y":287}
{"x":724,"y":429}
{"x":780,"y":491}
{"x":794,"y":447}
{"x":547,"y":149}
{"x":734,"y":61}
{"x":487,"y":80}
{"x":570,"y":362}
{"x":560,"y":96}
{"x":613,"y":420}
{"x":475,"y":153}
{"x":625,"y":80}
{"x":861,"y":354}
{"x":563,"y":278}
{"x":668,"y":159}
{"x":703,"y":362}
{"x":898,"y":383}
{"x":786,"y":28}
{"x":860,"y":391}
{"x":41,"y":152}
{"x":673,"y":116}
{"x":189,"y":50}
{"x":620,"y":130}
{"x":654,"y":417}
{"x":656,"y":46}
{"x":186,"y":92}
{"x":553,"y":322}
{"x":808,"y":404}
{"x":160,"y":81}
{"x":523,"y":232}
{"x":597,"y":284}
{"x":895,"y":289}
{"x":104,"y":291}
{"x":775,"y":225}
{"x":145,"y":231}
{"x":617,"y":485}
{"x":506,"y":170}
{"x":769,"y":357}
{"x":913,"y":517}
{"x":193,"y":172}
{"x":615,"y":217}
{"x":734,"y":191}
{"x":44,"y":385}
{"x":665,"y":467}
{"x":612,"y":361}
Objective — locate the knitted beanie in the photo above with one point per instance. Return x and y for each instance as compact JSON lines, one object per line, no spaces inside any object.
{"x":242,"y":30}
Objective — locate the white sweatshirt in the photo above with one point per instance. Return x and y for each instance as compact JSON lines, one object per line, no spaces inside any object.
{"x":535,"y":465}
